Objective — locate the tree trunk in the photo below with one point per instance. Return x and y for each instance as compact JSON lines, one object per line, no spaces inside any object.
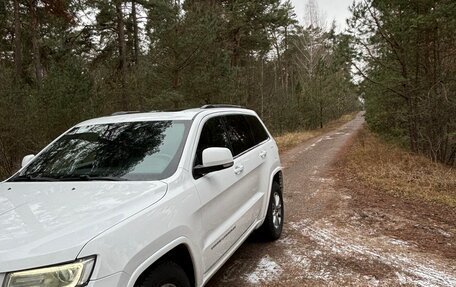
{"x":35,"y":43}
{"x":320,"y":96}
{"x":122,"y":52}
{"x":413,"y":129}
{"x":321,"y":115}
{"x":236,"y":48}
{"x":176,"y":84}
{"x":262,"y":88}
{"x":17,"y":41}
{"x":135,"y":31}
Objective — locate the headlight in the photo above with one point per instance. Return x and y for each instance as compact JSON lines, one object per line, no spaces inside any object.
{"x":66,"y":275}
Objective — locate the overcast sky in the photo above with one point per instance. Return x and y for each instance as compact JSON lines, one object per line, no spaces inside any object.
{"x":331,"y":9}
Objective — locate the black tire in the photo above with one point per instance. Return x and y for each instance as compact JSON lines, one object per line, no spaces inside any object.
{"x":166,"y":273}
{"x":271,"y":230}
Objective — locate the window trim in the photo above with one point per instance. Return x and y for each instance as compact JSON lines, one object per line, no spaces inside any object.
{"x":253,"y":147}
{"x":198,"y":137}
{"x":261,"y":124}
{"x":222,"y":115}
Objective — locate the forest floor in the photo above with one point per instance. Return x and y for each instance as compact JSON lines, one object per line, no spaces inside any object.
{"x":341,"y":230}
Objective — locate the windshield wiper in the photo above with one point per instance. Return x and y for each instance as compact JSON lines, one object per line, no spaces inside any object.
{"x":25,"y":178}
{"x":85,"y":177}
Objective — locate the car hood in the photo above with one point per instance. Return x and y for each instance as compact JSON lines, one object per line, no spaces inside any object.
{"x":44,"y":223}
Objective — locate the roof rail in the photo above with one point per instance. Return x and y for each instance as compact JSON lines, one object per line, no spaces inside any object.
{"x":124,"y":113}
{"x":222,"y":106}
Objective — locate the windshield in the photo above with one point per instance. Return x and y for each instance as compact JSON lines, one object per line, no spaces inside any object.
{"x":116,"y":151}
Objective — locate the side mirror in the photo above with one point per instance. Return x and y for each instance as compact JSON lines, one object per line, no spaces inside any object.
{"x":27,"y":159}
{"x":214,"y":159}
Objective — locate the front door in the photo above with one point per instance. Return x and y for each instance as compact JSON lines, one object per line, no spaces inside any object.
{"x":221,"y":194}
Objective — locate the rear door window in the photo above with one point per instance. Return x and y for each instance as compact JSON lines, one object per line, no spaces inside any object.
{"x":239,"y":133}
{"x":257,"y":129}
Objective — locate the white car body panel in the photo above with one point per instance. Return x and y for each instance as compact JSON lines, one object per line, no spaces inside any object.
{"x":130,"y":225}
{"x":135,"y":240}
{"x":43,"y":224}
{"x":228,"y":200}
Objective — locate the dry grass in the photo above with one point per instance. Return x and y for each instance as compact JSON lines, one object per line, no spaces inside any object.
{"x":290,"y":140}
{"x":386,"y":167}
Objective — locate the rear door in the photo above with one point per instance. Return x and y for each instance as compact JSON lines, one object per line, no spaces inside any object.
{"x":248,"y":147}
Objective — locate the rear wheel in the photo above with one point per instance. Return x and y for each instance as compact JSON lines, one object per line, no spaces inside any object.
{"x":273,"y":223}
{"x":166,"y":274}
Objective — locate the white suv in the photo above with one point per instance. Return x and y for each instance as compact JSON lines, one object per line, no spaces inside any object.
{"x":140,"y":200}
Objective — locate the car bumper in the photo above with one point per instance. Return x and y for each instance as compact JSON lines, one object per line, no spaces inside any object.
{"x":115,"y":280}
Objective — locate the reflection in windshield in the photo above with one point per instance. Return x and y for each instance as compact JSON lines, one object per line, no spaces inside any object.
{"x":130,"y":151}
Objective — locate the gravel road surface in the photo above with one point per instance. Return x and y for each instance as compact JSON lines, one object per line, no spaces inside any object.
{"x":328,"y":243}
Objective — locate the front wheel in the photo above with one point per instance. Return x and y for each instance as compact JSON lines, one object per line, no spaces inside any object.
{"x":166,"y":274}
{"x":273,"y":223}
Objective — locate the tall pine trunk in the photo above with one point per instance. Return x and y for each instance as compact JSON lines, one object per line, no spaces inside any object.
{"x":135,"y":31}
{"x":17,"y":41}
{"x":412,"y":123}
{"x":35,"y":42}
{"x":122,"y":53}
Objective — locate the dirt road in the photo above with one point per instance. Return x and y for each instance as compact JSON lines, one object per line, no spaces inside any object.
{"x":328,"y":242}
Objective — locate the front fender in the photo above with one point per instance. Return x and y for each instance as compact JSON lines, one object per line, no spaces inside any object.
{"x":162,"y":252}
{"x":134,"y":244}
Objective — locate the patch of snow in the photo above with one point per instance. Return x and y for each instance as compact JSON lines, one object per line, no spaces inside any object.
{"x":287,"y":241}
{"x":403,"y":279}
{"x":315,"y":143}
{"x":300,"y":260}
{"x":267,"y":270}
{"x":372,"y":281}
{"x":398,"y":242}
{"x":412,"y":269}
{"x":322,"y":274}
{"x":300,"y":224}
{"x":408,"y":280}
{"x":444,"y":233}
{"x":321,"y":179}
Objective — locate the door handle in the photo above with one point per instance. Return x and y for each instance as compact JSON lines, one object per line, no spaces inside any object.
{"x":238,"y":169}
{"x":263,"y":154}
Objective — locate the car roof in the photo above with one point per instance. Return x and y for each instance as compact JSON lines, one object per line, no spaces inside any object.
{"x":183,"y":115}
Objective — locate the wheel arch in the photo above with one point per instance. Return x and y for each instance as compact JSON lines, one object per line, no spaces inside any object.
{"x":278,"y":178}
{"x":178,"y":251}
